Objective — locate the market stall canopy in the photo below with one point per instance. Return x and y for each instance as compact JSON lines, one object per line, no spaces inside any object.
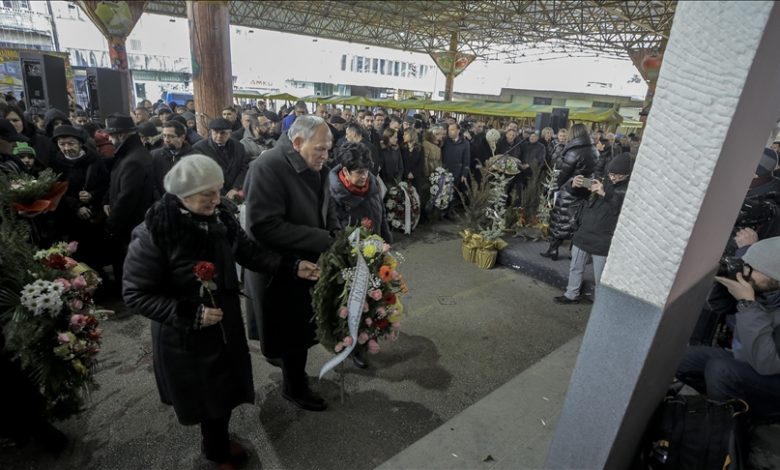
{"x":514,"y":31}
{"x":478,"y":108}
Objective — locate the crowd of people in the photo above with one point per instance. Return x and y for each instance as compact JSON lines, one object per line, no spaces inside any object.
{"x":149,"y":200}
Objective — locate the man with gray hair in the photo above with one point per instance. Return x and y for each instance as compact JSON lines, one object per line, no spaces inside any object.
{"x":287,"y":210}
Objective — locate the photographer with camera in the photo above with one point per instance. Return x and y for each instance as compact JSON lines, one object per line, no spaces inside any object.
{"x":596,"y":223}
{"x":758,"y":219}
{"x":751,"y":370}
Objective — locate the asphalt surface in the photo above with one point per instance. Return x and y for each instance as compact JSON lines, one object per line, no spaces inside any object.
{"x":466,"y":332}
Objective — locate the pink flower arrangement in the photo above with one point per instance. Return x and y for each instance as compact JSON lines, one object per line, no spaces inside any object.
{"x":381,"y":308}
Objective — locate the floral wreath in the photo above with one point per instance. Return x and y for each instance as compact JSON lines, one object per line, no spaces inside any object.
{"x":442,"y":188}
{"x":52,"y":327}
{"x":382,"y":308}
{"x":400,"y":199}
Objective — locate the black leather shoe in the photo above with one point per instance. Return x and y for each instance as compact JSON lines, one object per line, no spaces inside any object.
{"x":553,"y":255}
{"x":358,"y":360}
{"x":307,"y":401}
{"x":562,"y":299}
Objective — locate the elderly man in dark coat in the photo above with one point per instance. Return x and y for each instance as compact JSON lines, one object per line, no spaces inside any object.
{"x":228,"y":152}
{"x":130,"y":189}
{"x":287,"y":194}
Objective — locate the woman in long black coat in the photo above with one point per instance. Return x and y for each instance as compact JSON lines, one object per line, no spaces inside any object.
{"x":579,"y":158}
{"x":79,"y":215}
{"x":201,"y":358}
{"x":414,"y":160}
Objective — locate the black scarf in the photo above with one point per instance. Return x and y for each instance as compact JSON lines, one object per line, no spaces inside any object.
{"x":171,"y":225}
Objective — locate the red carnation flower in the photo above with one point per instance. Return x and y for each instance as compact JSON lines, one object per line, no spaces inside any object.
{"x":382,"y":324}
{"x":367,"y":223}
{"x":389,"y":298}
{"x":55,"y":261}
{"x":204,"y":271}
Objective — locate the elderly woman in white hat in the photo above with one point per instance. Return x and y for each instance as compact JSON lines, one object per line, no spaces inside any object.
{"x":180,"y":273}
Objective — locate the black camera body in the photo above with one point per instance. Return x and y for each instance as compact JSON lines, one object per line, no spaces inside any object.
{"x":757,"y":211}
{"x":730,"y":266}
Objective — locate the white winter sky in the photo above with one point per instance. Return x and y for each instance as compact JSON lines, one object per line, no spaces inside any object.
{"x":275,"y":57}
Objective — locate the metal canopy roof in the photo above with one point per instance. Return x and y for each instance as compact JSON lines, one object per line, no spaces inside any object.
{"x":509,"y":30}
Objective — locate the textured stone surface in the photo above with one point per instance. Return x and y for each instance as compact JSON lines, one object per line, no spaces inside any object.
{"x":710,"y":52}
{"x":715,"y":104}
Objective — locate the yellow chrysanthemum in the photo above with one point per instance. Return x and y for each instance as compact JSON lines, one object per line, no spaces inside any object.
{"x":369,"y":251}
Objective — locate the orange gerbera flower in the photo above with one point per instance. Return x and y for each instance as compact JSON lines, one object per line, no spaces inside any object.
{"x":384,"y":273}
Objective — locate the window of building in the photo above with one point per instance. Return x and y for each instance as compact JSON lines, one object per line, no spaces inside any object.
{"x":359,"y":65}
{"x":366,"y":65}
{"x":134,"y":44}
{"x":396,"y":68}
{"x":542,"y":101}
{"x":374,"y":66}
{"x":343,"y":62}
{"x":382,"y":67}
{"x":403,"y":69}
{"x":603,"y":104}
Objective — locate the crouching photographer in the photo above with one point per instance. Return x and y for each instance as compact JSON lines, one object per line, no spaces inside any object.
{"x":751,"y":370}
{"x":758,"y":219}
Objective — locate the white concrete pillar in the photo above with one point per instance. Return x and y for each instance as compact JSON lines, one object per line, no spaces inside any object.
{"x":717,"y":100}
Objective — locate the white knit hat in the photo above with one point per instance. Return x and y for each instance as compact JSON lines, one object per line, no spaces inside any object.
{"x":193,"y":174}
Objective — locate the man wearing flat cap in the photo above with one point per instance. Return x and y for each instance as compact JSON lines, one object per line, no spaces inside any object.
{"x":229,"y":153}
{"x":750,"y":370}
{"x":130,"y":192}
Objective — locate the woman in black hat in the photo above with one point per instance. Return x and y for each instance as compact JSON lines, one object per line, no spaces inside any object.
{"x":80,"y":215}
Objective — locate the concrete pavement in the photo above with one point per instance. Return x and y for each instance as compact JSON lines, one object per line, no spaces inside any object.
{"x":467,"y":332}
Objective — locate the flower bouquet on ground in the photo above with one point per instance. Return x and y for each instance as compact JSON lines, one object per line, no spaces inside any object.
{"x":530,"y":220}
{"x":51,"y":323}
{"x":403,"y":207}
{"x":357,"y":299}
{"x":483,"y":219}
{"x":442,"y":189}
{"x":30,"y":195}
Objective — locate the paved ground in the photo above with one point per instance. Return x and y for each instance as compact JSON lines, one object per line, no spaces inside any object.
{"x":467,"y":332}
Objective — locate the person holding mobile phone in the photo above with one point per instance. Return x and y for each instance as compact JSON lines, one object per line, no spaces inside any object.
{"x":596,"y":224}
{"x":578,"y":159}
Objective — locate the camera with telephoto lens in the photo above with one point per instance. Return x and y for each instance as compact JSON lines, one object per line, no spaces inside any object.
{"x":729,"y":266}
{"x":757,"y":211}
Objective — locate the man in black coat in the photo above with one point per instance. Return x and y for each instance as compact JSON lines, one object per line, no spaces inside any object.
{"x":229,"y":153}
{"x":287,"y":210}
{"x":456,"y":157}
{"x":597,"y":224}
{"x":174,"y":147}
{"x":130,"y":191}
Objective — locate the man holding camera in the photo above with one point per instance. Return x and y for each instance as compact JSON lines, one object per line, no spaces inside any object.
{"x":751,"y":370}
{"x":596,"y":224}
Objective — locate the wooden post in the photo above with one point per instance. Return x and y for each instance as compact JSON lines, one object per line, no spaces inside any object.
{"x":449,"y":85}
{"x":212,"y":74}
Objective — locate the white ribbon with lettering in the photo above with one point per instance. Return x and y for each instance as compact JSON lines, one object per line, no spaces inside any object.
{"x":357,"y":297}
{"x":407,"y":210}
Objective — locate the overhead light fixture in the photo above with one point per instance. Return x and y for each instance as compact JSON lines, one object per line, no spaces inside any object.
{"x":172,"y":20}
{"x":314,"y":40}
{"x":251,"y":31}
